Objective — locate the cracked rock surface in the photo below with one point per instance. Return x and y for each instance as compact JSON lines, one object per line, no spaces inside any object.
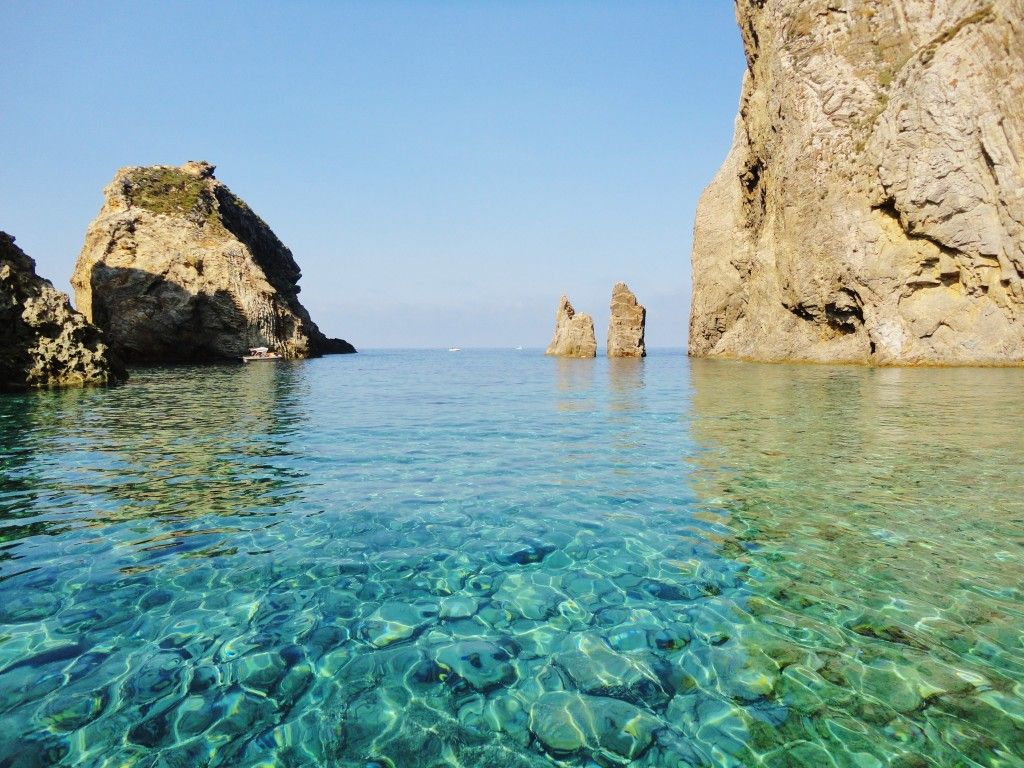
{"x":871,"y":209}
{"x":43,"y":341}
{"x":177,"y":268}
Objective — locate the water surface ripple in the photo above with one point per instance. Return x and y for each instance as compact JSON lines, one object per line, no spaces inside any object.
{"x":498,"y":559}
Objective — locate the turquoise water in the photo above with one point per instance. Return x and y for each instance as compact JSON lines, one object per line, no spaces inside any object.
{"x":500,"y":559}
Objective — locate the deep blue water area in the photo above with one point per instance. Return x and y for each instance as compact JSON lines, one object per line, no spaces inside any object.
{"x":494,"y":558}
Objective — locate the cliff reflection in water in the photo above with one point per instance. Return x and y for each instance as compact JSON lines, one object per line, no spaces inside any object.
{"x":145,"y":451}
{"x":881,"y":520}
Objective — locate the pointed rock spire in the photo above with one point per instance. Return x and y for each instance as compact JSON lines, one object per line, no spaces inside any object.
{"x":574,"y":332}
{"x":626,"y":326}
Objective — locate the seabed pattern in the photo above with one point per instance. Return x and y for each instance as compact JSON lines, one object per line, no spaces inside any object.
{"x":403,"y":559}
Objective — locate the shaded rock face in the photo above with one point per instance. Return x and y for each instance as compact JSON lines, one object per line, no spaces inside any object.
{"x":177,"y":268}
{"x":872,"y":206}
{"x":574,"y":333}
{"x":43,"y":341}
{"x":626,"y":326}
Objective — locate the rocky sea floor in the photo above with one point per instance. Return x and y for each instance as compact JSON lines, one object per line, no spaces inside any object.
{"x":497,"y":559}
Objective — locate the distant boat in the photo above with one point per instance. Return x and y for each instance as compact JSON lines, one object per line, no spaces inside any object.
{"x":259,"y":354}
{"x":454,"y":349}
{"x":518,"y":348}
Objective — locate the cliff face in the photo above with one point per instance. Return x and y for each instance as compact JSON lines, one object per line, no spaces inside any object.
{"x":177,"y":268}
{"x":626,"y":324}
{"x":872,"y":206}
{"x":574,"y":332}
{"x":43,"y":341}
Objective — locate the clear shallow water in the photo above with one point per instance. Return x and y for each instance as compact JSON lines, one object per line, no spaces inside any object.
{"x":499,"y":559}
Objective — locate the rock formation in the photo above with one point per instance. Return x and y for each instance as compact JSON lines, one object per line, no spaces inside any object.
{"x":626,"y":326}
{"x":177,"y":268}
{"x":574,"y":333}
{"x":43,"y":341}
{"x":872,"y":206}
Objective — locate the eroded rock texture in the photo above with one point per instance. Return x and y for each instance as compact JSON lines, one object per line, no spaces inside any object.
{"x":626,"y":325}
{"x":177,"y":268}
{"x":574,"y":332}
{"x":43,"y":341}
{"x":872,"y":206}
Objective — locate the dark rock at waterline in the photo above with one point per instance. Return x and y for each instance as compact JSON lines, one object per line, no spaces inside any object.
{"x":43,"y":341}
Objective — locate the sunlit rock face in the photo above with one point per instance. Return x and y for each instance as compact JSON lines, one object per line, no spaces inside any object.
{"x":626,"y":325}
{"x":43,"y":341}
{"x":574,"y":332}
{"x":871,"y":209}
{"x":176,"y":268}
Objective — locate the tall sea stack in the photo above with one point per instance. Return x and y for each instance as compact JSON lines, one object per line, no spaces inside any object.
{"x":574,"y":332}
{"x":43,"y":341}
{"x":872,"y":207}
{"x":177,"y":268}
{"x":626,"y":324}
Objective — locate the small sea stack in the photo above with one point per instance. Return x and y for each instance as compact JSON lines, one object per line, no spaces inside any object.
{"x":177,"y":268}
{"x":43,"y":341}
{"x":626,"y":326}
{"x":574,"y":332}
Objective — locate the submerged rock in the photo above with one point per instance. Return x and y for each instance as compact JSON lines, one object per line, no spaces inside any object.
{"x":571,"y":723}
{"x":574,"y":333}
{"x":43,"y":341}
{"x":872,"y":206}
{"x":177,"y":268}
{"x":626,"y":326}
{"x":482,"y":664}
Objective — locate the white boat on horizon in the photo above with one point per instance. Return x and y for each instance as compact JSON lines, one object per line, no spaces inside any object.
{"x":454,"y":349}
{"x":260,"y":354}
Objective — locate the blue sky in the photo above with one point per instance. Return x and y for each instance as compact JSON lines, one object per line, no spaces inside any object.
{"x":442,"y":171}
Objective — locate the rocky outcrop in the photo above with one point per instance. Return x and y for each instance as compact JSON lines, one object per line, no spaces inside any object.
{"x":574,"y":333}
{"x":626,"y":326}
{"x":177,"y":268}
{"x":43,"y":341}
{"x":872,"y":207}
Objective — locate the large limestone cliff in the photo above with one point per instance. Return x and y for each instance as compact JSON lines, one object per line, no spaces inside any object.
{"x":872,"y":206}
{"x":178,"y":268}
{"x":574,"y":332}
{"x":626,"y":324}
{"x":43,"y":341}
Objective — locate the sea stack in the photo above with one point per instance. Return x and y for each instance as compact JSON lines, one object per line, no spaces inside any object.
{"x":177,"y":268}
{"x":626,"y":326}
{"x":574,"y":332}
{"x":43,"y":341}
{"x":871,"y":209}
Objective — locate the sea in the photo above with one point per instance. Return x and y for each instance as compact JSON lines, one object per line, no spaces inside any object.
{"x":494,"y":558}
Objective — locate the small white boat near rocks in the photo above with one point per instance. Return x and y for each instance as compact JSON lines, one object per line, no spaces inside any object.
{"x":260,"y":354}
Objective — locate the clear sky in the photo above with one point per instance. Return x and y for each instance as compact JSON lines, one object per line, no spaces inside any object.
{"x":442,"y":171}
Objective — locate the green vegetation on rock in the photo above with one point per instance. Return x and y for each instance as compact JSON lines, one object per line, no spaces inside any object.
{"x":165,"y":190}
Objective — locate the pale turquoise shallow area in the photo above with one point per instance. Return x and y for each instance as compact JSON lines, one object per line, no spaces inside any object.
{"x":499,"y":559}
